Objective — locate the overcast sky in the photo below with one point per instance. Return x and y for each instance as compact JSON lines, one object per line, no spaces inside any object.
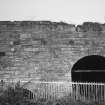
{"x":72,"y":11}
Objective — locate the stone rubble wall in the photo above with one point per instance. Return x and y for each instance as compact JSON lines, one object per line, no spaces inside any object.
{"x":31,"y":51}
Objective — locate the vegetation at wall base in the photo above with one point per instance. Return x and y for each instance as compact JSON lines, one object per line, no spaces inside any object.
{"x":16,"y":96}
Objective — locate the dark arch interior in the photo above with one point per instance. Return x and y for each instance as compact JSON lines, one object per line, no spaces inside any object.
{"x":89,"y":69}
{"x":27,"y":93}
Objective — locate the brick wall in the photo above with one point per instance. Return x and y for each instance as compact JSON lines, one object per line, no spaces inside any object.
{"x":44,"y":50}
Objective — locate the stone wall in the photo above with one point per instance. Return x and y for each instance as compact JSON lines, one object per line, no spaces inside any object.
{"x":43,"y":50}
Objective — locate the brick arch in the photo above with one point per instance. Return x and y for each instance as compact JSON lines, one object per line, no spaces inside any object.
{"x":89,"y":69}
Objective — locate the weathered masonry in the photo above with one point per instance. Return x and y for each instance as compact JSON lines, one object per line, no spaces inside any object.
{"x":48,"y":51}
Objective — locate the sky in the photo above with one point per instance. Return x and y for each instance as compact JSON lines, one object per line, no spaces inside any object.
{"x":70,"y":11}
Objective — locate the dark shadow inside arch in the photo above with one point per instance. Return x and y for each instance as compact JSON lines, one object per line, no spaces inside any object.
{"x":89,"y":69}
{"x":27,"y":94}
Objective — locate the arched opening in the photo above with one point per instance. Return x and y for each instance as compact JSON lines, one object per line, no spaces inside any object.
{"x":89,"y":69}
{"x":28,"y":94}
